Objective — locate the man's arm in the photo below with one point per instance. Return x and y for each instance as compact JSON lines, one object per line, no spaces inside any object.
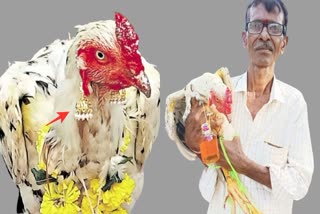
{"x":243,"y":164}
{"x":258,"y":173}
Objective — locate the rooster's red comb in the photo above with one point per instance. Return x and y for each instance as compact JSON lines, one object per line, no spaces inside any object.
{"x":128,"y":40}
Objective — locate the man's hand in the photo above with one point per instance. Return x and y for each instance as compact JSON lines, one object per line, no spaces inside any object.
{"x":236,"y":156}
{"x":198,"y":115}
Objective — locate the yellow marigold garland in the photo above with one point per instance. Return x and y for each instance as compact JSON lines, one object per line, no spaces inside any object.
{"x":110,"y":201}
{"x":61,"y":198}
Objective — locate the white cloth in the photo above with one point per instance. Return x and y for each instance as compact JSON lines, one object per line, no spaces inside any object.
{"x":279,"y":138}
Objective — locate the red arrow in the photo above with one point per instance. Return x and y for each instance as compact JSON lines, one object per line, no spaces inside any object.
{"x":62,"y":116}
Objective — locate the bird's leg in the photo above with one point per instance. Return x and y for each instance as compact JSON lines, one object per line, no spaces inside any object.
{"x":230,"y":197}
{"x":238,"y":196}
{"x":233,"y":207}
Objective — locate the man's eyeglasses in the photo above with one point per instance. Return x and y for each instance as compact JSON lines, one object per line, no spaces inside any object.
{"x":273,"y":28}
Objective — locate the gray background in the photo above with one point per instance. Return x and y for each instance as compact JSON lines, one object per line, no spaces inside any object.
{"x":183,"y":40}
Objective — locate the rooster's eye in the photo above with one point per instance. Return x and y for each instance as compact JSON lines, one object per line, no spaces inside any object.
{"x":100,"y":55}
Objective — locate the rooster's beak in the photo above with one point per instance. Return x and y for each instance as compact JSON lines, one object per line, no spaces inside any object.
{"x":142,"y":84}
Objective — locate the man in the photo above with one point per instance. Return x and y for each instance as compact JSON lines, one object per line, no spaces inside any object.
{"x":273,"y":153}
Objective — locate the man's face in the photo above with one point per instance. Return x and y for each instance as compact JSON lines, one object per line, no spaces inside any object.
{"x":264,"y":49}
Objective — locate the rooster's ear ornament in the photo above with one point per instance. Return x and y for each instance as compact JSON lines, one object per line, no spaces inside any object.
{"x":84,"y":109}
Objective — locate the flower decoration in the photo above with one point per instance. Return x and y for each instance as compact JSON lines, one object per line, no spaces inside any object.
{"x":61,"y":198}
{"x":110,"y":201}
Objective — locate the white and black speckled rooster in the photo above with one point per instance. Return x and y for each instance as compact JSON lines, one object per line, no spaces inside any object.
{"x":112,"y":94}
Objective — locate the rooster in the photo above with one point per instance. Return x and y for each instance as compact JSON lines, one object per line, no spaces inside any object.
{"x":112,"y":95}
{"x":214,"y":92}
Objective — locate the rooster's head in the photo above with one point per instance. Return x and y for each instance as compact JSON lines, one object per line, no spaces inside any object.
{"x":108,"y":57}
{"x":222,"y":100}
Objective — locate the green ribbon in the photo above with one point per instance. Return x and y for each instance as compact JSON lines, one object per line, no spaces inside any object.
{"x":233,"y":172}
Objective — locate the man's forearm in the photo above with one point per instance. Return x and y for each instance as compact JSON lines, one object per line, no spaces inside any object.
{"x":257,"y":172}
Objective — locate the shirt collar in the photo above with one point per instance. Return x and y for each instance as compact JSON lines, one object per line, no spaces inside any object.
{"x":276,"y":93}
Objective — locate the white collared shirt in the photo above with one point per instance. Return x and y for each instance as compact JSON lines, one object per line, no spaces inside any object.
{"x":279,"y":138}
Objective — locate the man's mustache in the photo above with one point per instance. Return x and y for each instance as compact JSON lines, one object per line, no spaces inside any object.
{"x":263,"y":45}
